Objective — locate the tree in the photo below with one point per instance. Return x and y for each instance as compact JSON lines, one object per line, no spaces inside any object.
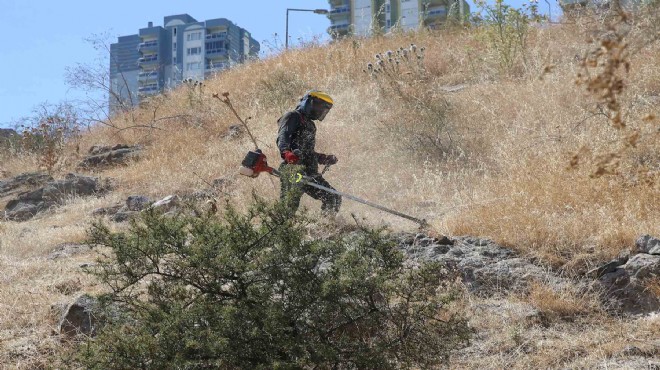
{"x":94,"y":80}
{"x":252,"y":291}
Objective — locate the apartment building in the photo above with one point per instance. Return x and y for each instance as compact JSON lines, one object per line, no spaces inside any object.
{"x":363,"y":17}
{"x":161,"y":57}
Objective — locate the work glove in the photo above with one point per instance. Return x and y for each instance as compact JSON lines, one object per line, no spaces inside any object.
{"x":327,"y":159}
{"x":290,"y":157}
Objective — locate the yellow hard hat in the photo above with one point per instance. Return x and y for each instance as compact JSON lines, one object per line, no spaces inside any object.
{"x":322,"y":96}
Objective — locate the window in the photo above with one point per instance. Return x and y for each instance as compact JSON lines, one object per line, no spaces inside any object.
{"x":216,"y":46}
{"x":174,"y":31}
{"x":174,"y":46}
{"x":193,"y":66}
{"x":173,"y":60}
{"x":194,"y":51}
{"x":194,"y":36}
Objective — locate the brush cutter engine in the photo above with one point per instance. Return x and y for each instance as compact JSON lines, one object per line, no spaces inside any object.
{"x":254,"y":163}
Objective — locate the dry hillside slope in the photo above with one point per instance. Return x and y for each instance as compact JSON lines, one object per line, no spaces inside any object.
{"x":513,"y":153}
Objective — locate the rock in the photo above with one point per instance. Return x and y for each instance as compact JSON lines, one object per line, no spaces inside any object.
{"x":137,"y":202}
{"x":167,"y":203}
{"x":641,"y":266}
{"x":28,"y":179}
{"x":233,"y":132}
{"x":28,"y":204}
{"x":425,"y":241}
{"x":632,"y":351}
{"x":648,"y":244}
{"x":22,"y":212}
{"x":486,"y":267}
{"x":109,"y":155}
{"x":608,"y":267}
{"x":72,"y":185}
{"x":100,"y":149}
{"x":508,"y":274}
{"x":107,"y":211}
{"x":123,"y":216}
{"x":66,"y":250}
{"x":625,"y":289}
{"x":79,"y":318}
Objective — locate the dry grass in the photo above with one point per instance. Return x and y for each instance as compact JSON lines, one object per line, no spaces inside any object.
{"x":506,"y":176}
{"x":512,"y":333}
{"x":563,"y":302}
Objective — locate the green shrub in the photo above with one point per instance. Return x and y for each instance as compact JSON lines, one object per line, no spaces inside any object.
{"x":251,"y":291}
{"x":505,"y":30}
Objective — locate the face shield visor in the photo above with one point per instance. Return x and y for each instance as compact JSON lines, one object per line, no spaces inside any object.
{"x":319,"y":109}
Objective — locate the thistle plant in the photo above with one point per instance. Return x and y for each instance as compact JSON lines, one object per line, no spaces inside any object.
{"x":195,"y":92}
{"x":401,"y":76}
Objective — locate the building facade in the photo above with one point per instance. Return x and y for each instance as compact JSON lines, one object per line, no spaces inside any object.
{"x":161,"y":57}
{"x":364,"y":17}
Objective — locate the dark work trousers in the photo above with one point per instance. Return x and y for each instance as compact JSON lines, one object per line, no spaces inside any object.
{"x":291,"y":191}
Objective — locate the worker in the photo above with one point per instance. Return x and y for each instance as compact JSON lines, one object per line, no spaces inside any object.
{"x":296,"y":140}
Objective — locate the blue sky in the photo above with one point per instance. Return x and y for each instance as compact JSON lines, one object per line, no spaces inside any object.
{"x":40,"y":38}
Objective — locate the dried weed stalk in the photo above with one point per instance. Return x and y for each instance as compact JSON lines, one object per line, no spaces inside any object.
{"x":401,"y":78}
{"x":603,"y":73}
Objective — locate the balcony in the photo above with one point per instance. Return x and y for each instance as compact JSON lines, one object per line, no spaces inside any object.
{"x":433,"y":3}
{"x":438,"y":12}
{"x":148,"y":46}
{"x":216,"y":66}
{"x":340,"y":12}
{"x":146,"y":76}
{"x":216,"y":53}
{"x":339,"y":27}
{"x":148,"y":60}
{"x":216,"y":36}
{"x":148,"y":89}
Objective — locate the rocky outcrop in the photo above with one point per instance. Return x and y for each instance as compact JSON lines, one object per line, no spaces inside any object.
{"x":648,"y":244}
{"x":135,"y":204}
{"x":101,"y":156}
{"x":124,"y":212}
{"x":626,"y":287}
{"x":53,"y":193}
{"x":486,"y":267}
{"x":167,"y":204}
{"x":28,"y":180}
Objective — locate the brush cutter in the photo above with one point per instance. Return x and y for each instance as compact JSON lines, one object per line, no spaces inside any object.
{"x":255,"y":163}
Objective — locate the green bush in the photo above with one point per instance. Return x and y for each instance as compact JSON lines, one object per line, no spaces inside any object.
{"x":505,"y":30}
{"x":252,"y":291}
